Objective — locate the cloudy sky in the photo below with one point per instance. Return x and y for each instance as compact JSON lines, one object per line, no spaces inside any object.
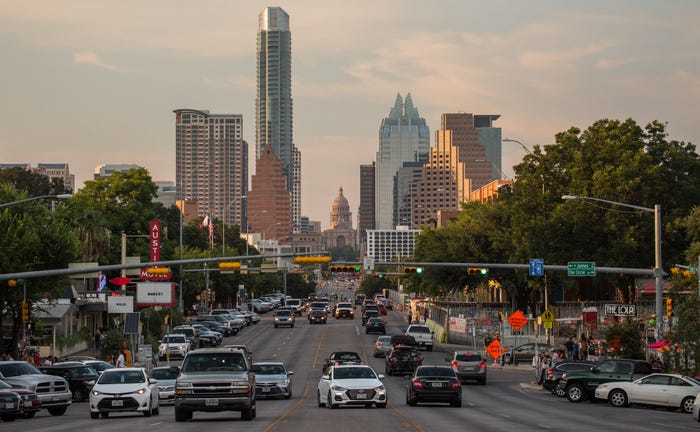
{"x":89,"y":82}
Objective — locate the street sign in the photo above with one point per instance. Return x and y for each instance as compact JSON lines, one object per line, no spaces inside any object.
{"x":368,"y":263}
{"x":621,"y":309}
{"x":494,"y":348}
{"x":547,"y":318}
{"x":517,"y":320}
{"x":536,"y":267}
{"x":585,"y":268}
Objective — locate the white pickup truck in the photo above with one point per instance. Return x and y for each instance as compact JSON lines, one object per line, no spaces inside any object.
{"x":422,"y":334}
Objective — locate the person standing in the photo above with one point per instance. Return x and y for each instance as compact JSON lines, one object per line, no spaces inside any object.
{"x":120,"y":360}
{"x":98,"y":339}
{"x":569,"y":348}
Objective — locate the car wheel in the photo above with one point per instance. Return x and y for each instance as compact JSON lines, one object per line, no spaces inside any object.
{"x":156,"y":411}
{"x":618,"y":398}
{"x":57,"y":411}
{"x":94,"y":415}
{"x":247,"y":414}
{"x":410,"y":401}
{"x":687,"y":404}
{"x":381,"y":405}
{"x":482,"y":381}
{"x":329,"y":401}
{"x":575,"y":393}
{"x":8,"y":418}
{"x":148,"y":412}
{"x":28,"y":415}
{"x":289,"y":394}
{"x":180,"y":415}
{"x":429,"y":348}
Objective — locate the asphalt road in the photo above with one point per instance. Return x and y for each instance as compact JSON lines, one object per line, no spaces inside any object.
{"x":507,"y":403}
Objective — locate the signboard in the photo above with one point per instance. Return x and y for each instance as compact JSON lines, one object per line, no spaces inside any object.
{"x":547,"y":318}
{"x":536,"y":267}
{"x":494,"y":348}
{"x":581,"y":268}
{"x":517,"y":320}
{"x":155,"y":241}
{"x":155,"y":294}
{"x":368,"y":263}
{"x":621,"y":309}
{"x":120,"y":304}
{"x":143,"y":274}
{"x":458,"y":325}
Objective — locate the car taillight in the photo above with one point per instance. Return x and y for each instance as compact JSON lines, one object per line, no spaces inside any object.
{"x":377,"y":344}
{"x":550,"y":372}
{"x":417,"y":384}
{"x":417,"y":358}
{"x":455,"y":364}
{"x":392,"y":358}
{"x":482,"y":364}
{"x":455,"y":385}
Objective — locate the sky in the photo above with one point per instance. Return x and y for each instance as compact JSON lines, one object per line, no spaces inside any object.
{"x":91,"y":82}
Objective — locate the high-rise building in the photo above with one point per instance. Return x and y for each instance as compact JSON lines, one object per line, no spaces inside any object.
{"x":273,"y":102}
{"x":211,"y":163}
{"x":405,"y":182}
{"x":404,"y":136}
{"x":391,"y":245}
{"x":269,"y":200}
{"x":106,"y":170}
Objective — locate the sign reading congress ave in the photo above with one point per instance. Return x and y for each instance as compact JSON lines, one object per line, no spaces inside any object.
{"x":621,"y":310}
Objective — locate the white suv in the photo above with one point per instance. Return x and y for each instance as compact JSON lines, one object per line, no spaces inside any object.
{"x":422,"y":334}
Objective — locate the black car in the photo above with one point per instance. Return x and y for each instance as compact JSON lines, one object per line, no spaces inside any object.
{"x":369,"y":314}
{"x":80,"y":377}
{"x":218,"y":327}
{"x":402,"y":360}
{"x":554,"y":373}
{"x":375,"y":325}
{"x":340,"y":358}
{"x":317,"y":316}
{"x":16,"y":402}
{"x":403,"y":340}
{"x":434,"y":384}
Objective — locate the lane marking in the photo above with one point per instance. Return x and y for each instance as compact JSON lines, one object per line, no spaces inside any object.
{"x":409,"y":420}
{"x":318,"y":347}
{"x":283,"y":418}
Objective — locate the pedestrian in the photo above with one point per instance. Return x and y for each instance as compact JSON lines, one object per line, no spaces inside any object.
{"x":120,"y":360}
{"x":569,"y":344}
{"x":98,"y":339}
{"x":577,"y":347}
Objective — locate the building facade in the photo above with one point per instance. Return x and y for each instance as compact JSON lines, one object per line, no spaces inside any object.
{"x":59,"y":171}
{"x":341,"y":233}
{"x":391,"y":245}
{"x":269,"y":209}
{"x":211,"y":163}
{"x":273,"y":102}
{"x":403,"y":137}
{"x":106,"y":170}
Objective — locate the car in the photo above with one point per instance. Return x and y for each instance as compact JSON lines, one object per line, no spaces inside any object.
{"x":344,"y":310}
{"x":658,"y":389}
{"x":248,"y":353}
{"x":124,"y":390}
{"x":525,"y":352}
{"x":422,"y":334}
{"x":191,"y":333}
{"x":468,"y":366}
{"x":80,"y":377}
{"x":207,"y":337}
{"x":581,"y":385}
{"x":216,"y":326}
{"x":99,"y":365}
{"x":272,"y":380}
{"x":696,"y":408}
{"x":341,"y":357}
{"x":53,"y":391}
{"x":402,"y":360}
{"x":399,"y":340}
{"x":557,"y":370}
{"x":295,"y":305}
{"x":316,"y":305}
{"x":17,"y":402}
{"x":347,"y":385}
{"x":214,"y":380}
{"x":382,"y":346}
{"x":173,"y":345}
{"x":284,"y":318}
{"x":166,"y":383}
{"x":317,"y":316}
{"x":375,"y":325}
{"x":359,"y":299}
{"x":369,"y":314}
{"x":434,"y":384}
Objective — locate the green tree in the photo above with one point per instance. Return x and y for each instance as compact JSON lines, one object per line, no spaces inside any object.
{"x":32,"y":183}
{"x":625,"y":340}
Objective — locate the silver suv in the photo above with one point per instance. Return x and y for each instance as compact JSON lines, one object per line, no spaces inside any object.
{"x":214,"y":379}
{"x":53,"y":391}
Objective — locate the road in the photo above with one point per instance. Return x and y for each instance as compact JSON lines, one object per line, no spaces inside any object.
{"x":507,"y":403}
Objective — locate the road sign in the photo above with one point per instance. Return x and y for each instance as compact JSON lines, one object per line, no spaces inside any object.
{"x":494,"y":348}
{"x":517,"y":320}
{"x":536,"y":267}
{"x":368,"y":263}
{"x":582,"y":268}
{"x":547,"y":318}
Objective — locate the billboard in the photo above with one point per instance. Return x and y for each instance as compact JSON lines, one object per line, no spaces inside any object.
{"x":155,"y":294}
{"x":120,"y":304}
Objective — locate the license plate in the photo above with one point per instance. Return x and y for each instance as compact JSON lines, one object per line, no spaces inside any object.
{"x":9,"y":405}
{"x":211,"y":402}
{"x":436,"y":384}
{"x":117,"y":403}
{"x":27,"y":403}
{"x":266,"y":389}
{"x":361,"y":396}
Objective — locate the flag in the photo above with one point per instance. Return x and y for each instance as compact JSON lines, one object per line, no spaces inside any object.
{"x":205,"y":222}
{"x":102,"y":281}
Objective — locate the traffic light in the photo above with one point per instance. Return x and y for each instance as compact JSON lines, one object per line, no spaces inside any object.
{"x":312,"y":259}
{"x":378,"y":275}
{"x":477,"y":271}
{"x":417,"y":270}
{"x":229,"y":266}
{"x":669,"y":307}
{"x":14,"y":282}
{"x":158,"y":270}
{"x":25,"y":311}
{"x":345,"y":269}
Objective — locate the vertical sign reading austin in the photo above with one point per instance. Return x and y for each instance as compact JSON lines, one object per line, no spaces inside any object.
{"x":154,"y":243}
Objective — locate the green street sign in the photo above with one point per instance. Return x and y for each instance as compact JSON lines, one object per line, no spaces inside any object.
{"x":582,"y":268}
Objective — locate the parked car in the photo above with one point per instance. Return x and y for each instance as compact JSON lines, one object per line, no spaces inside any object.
{"x":191,"y":333}
{"x":207,"y":337}
{"x":382,"y":346}
{"x":402,"y":360}
{"x":166,"y":383}
{"x":80,"y":377}
{"x":53,"y":391}
{"x":346,"y":385}
{"x":557,"y":370}
{"x":284,"y":318}
{"x":525,"y":352}
{"x":468,"y":366}
{"x":434,"y":384}
{"x":668,"y":390}
{"x":272,"y":380}
{"x":581,"y":385}
{"x":317,"y":316}
{"x":375,"y":325}
{"x":17,"y":402}
{"x":337,"y":358}
{"x":124,"y":390}
{"x":216,"y":326}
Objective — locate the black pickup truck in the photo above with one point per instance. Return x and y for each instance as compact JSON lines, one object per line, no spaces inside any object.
{"x":581,"y":385}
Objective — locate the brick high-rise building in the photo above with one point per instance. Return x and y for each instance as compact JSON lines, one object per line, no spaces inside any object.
{"x":269,"y":209}
{"x":365,"y":212}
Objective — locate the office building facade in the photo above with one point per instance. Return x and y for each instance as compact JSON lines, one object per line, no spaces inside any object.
{"x":391,"y":245}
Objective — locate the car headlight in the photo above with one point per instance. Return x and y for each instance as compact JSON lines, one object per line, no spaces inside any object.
{"x":338,"y":388}
{"x":379,"y":389}
{"x":27,"y":387}
{"x":239,"y":384}
{"x":603,"y":386}
{"x":141,"y":391}
{"x":96,"y":393}
{"x":184,"y":384}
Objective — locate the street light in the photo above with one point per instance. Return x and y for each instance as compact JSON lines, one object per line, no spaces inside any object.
{"x":59,"y":196}
{"x":658,"y":271}
{"x":518,"y":142}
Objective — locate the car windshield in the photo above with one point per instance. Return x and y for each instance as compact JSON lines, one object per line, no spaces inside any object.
{"x":163,"y":374}
{"x":17,"y":369}
{"x":4,"y":385}
{"x":174,"y":339}
{"x":346,"y":356}
{"x":284,"y":313}
{"x":268,"y":369}
{"x":435,"y":372}
{"x":116,"y":376}
{"x":353,"y":373}
{"x":214,"y":362}
{"x":468,"y":357}
{"x":318,"y":313}
{"x":419,"y":329}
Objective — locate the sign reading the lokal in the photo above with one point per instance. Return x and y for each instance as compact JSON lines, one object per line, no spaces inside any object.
{"x":621,"y":309}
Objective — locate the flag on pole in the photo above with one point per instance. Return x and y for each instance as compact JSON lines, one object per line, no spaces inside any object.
{"x":211,"y":232}
{"x":205,"y":222}
{"x":102,"y":281}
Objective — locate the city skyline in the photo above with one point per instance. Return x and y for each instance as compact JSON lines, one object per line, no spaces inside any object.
{"x":97,"y":85}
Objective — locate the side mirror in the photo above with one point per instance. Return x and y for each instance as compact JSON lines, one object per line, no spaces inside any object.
{"x":152,"y":381}
{"x":290,"y":373}
{"x":325,"y":377}
{"x":380,"y":376}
